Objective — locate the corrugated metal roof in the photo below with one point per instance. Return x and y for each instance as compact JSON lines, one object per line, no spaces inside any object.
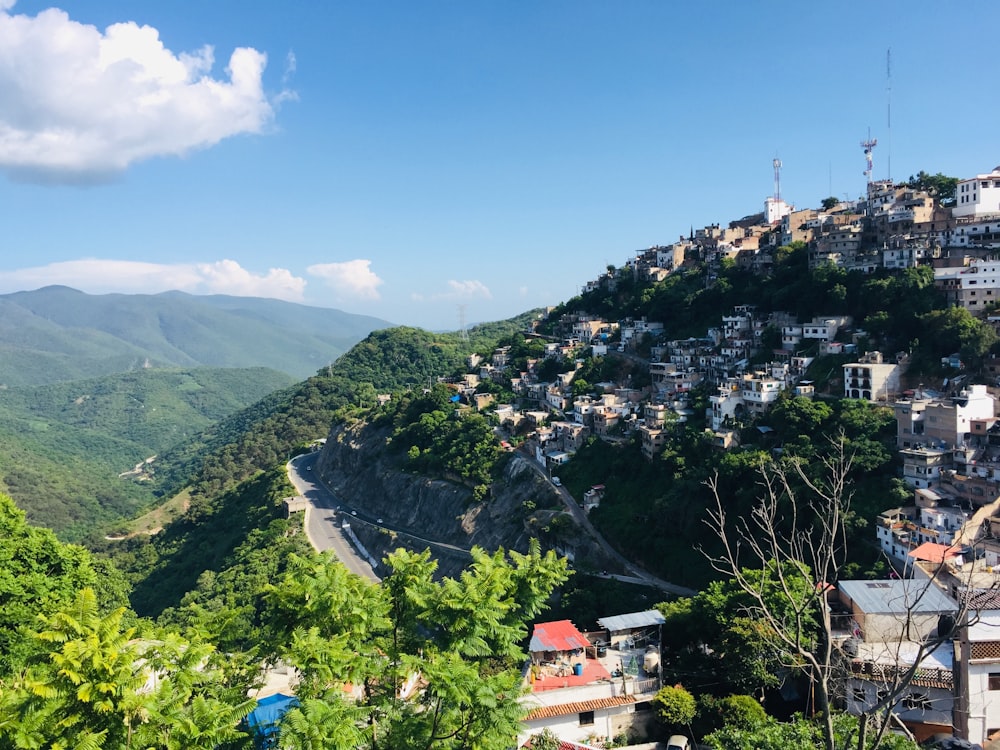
{"x":632,"y":620}
{"x":897,"y":596}
{"x":559,"y":635}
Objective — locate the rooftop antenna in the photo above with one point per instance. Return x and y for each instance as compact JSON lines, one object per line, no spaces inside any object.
{"x":777,"y":178}
{"x":888,"y":109}
{"x":868,"y":144}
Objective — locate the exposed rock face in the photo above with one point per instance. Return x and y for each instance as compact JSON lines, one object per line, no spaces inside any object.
{"x":357,"y":465}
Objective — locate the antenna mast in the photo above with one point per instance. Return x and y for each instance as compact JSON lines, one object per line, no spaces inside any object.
{"x":888,"y":108}
{"x":777,"y":178}
{"x":868,"y":144}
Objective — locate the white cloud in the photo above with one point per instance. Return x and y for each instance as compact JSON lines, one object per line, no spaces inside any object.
{"x":78,"y":104}
{"x":458,"y":290}
{"x":98,"y":276}
{"x":466,"y":289}
{"x":352,"y":278}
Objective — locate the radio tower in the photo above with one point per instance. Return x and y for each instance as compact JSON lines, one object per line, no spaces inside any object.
{"x":868,"y":144}
{"x":888,"y":108}
{"x":777,"y":178}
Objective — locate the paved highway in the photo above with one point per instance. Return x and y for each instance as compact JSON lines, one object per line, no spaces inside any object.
{"x":322,"y":524}
{"x":322,"y":521}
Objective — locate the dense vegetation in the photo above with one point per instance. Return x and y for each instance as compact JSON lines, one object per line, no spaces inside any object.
{"x":898,"y":309}
{"x":255,"y":439}
{"x":79,"y":670}
{"x":226,"y":508}
{"x":63,"y":445}
{"x":441,"y":439}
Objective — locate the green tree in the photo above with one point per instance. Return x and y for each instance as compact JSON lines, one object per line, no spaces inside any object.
{"x":830,"y":202}
{"x":938,"y":185}
{"x":545,"y":740}
{"x":799,"y":733}
{"x":461,"y":635}
{"x":98,"y":683}
{"x":326,"y":723}
{"x":945,"y":331}
{"x":675,"y":707}
{"x":38,"y":574}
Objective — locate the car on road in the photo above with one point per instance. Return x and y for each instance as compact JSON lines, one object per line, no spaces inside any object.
{"x":378,"y":520}
{"x":354,"y":513}
{"x":557,"y":481}
{"x":677,"y":742}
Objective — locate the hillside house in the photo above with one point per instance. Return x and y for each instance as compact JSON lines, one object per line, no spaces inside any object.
{"x":931,"y":430}
{"x":582,"y":688}
{"x":977,"y":196}
{"x":974,"y":284}
{"x":872,"y":379}
{"x":889,"y":620}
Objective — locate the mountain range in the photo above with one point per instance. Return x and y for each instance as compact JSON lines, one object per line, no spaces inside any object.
{"x":57,"y":334}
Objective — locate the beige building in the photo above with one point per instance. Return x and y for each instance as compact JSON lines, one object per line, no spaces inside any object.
{"x":872,"y":379}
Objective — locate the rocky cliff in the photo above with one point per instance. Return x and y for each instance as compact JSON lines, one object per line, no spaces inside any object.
{"x":438,"y":514}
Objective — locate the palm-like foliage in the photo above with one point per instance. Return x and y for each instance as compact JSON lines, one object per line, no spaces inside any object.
{"x":99,"y":686}
{"x":330,"y":723}
{"x":457,"y":639}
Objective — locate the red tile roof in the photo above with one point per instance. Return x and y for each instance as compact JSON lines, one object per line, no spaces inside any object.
{"x":564,"y":709}
{"x":560,"y":635}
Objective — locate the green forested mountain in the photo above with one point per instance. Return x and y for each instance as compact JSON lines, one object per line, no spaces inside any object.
{"x":64,"y":445}
{"x":220,"y":467}
{"x":257,"y":437}
{"x":57,"y":333}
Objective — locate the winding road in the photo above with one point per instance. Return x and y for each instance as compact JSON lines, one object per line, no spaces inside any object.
{"x":324,"y":516}
{"x":325,"y":513}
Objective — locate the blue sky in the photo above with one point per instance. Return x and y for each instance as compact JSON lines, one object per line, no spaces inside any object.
{"x":403,"y":159}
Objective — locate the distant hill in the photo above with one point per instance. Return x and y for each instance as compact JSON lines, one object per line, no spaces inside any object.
{"x":58,"y":334}
{"x":63,"y":445}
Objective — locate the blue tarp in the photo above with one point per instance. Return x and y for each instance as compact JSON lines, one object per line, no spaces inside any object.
{"x":264,"y":719}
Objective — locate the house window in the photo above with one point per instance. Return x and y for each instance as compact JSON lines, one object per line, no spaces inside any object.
{"x":994,"y":682}
{"x":917,"y":702}
{"x":586,"y":718}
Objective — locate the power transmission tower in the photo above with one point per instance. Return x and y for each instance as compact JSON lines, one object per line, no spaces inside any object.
{"x":462,"y":330}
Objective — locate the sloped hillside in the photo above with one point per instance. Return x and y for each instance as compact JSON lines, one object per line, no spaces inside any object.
{"x":57,"y":333}
{"x":63,"y":445}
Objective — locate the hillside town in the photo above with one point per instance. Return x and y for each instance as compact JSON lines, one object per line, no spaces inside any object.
{"x":948,"y":437}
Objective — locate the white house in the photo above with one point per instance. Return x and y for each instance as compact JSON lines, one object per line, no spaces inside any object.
{"x":871,"y":379}
{"x":971,"y":286}
{"x":977,"y":714}
{"x":890,"y":621}
{"x":978,"y":195}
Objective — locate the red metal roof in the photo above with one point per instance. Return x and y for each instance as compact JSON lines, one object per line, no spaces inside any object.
{"x":560,"y":635}
{"x":932,"y":552}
